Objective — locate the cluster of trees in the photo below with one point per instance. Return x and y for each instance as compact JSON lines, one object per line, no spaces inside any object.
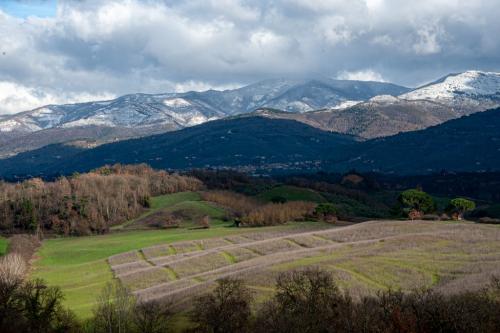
{"x":305,"y":301}
{"x":30,"y":306}
{"x":85,"y":203}
{"x":250,"y":212}
{"x":238,"y":204}
{"x":309,"y":301}
{"x":279,"y":213}
{"x":416,"y":203}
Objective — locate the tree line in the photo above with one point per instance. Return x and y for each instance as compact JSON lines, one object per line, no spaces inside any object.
{"x":303,"y":301}
{"x":248,"y":211}
{"x":85,"y":203}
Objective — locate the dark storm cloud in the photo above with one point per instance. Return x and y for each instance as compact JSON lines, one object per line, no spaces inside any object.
{"x":97,"y":49}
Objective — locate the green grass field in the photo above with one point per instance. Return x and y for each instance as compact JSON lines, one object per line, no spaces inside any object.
{"x":422,"y":254}
{"x":3,"y":245}
{"x":186,"y":204}
{"x":78,"y":264}
{"x":291,"y":193}
{"x":162,"y":202}
{"x":79,"y":267}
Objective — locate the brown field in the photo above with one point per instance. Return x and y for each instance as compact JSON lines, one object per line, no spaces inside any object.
{"x":364,"y":258}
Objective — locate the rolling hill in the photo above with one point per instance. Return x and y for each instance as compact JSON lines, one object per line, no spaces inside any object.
{"x":138,"y":115}
{"x":253,"y":143}
{"x":470,"y":143}
{"x":238,"y":142}
{"x":450,"y":97}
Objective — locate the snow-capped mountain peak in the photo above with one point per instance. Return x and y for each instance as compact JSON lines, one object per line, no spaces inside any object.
{"x":467,"y":84}
{"x":178,"y":110}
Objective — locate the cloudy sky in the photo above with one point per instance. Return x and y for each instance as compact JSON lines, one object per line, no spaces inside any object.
{"x":68,"y":51}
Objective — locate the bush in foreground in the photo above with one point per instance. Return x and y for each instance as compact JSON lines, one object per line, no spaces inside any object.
{"x":225,"y":310}
{"x":310,"y":301}
{"x":30,"y":306}
{"x":118,"y":311}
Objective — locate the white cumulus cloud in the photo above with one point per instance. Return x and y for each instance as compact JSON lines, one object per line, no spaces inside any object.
{"x":363,"y":75}
{"x":94,"y":48}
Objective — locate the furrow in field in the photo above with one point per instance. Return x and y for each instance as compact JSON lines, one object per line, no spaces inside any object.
{"x":166,"y":290}
{"x":198,"y":269}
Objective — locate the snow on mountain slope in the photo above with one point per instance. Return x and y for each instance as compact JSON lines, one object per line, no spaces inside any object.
{"x":179,"y":110}
{"x":466,"y":92}
{"x":449,"y":98}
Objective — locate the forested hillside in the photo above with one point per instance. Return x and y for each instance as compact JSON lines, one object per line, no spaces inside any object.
{"x":85,"y":203}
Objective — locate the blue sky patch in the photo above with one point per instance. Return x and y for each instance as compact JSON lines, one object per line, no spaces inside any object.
{"x":26,"y":8}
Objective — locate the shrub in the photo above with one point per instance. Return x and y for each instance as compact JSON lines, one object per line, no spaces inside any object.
{"x":152,"y":317}
{"x":326,"y":211}
{"x":205,"y":222}
{"x":12,"y":268}
{"x":226,"y":310}
{"x":278,"y":199}
{"x":114,"y":310}
{"x":305,"y":301}
{"x":33,"y":307}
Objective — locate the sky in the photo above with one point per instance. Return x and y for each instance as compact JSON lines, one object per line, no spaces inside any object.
{"x":69,"y":51}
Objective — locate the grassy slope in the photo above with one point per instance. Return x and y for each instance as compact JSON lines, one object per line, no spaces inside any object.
{"x":3,"y":245}
{"x":78,"y":265}
{"x":162,"y":202}
{"x":291,"y":193}
{"x":412,"y":261}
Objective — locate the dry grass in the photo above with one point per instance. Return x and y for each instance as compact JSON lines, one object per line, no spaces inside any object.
{"x":184,"y":247}
{"x":24,"y":245}
{"x":12,"y":268}
{"x":364,"y":258}
{"x":146,"y":278}
{"x":128,"y":268}
{"x":241,"y":254}
{"x":157,"y":251}
{"x":237,"y":239}
{"x":123,"y":258}
{"x":273,"y":246}
{"x":211,"y":243}
{"x":204,"y":263}
{"x":310,"y":241}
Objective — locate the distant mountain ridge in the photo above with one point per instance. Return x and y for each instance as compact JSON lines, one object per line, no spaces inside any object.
{"x":364,"y":109}
{"x":450,"y":97}
{"x":147,"y":114}
{"x":258,"y":144}
{"x":179,"y":110}
{"x":237,"y":142}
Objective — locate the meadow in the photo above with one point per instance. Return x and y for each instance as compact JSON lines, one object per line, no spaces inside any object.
{"x":364,"y":258}
{"x":79,"y":264}
{"x":180,"y":263}
{"x":291,"y":193}
{"x":3,"y":245}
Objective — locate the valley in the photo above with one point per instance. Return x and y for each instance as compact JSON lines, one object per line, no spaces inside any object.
{"x":179,"y":264}
{"x":249,"y":166}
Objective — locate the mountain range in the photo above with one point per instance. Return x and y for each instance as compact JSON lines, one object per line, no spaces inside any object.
{"x":147,"y":114}
{"x":262,"y":145}
{"x":448,"y":98}
{"x":322,"y":123}
{"x":364,"y":109}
